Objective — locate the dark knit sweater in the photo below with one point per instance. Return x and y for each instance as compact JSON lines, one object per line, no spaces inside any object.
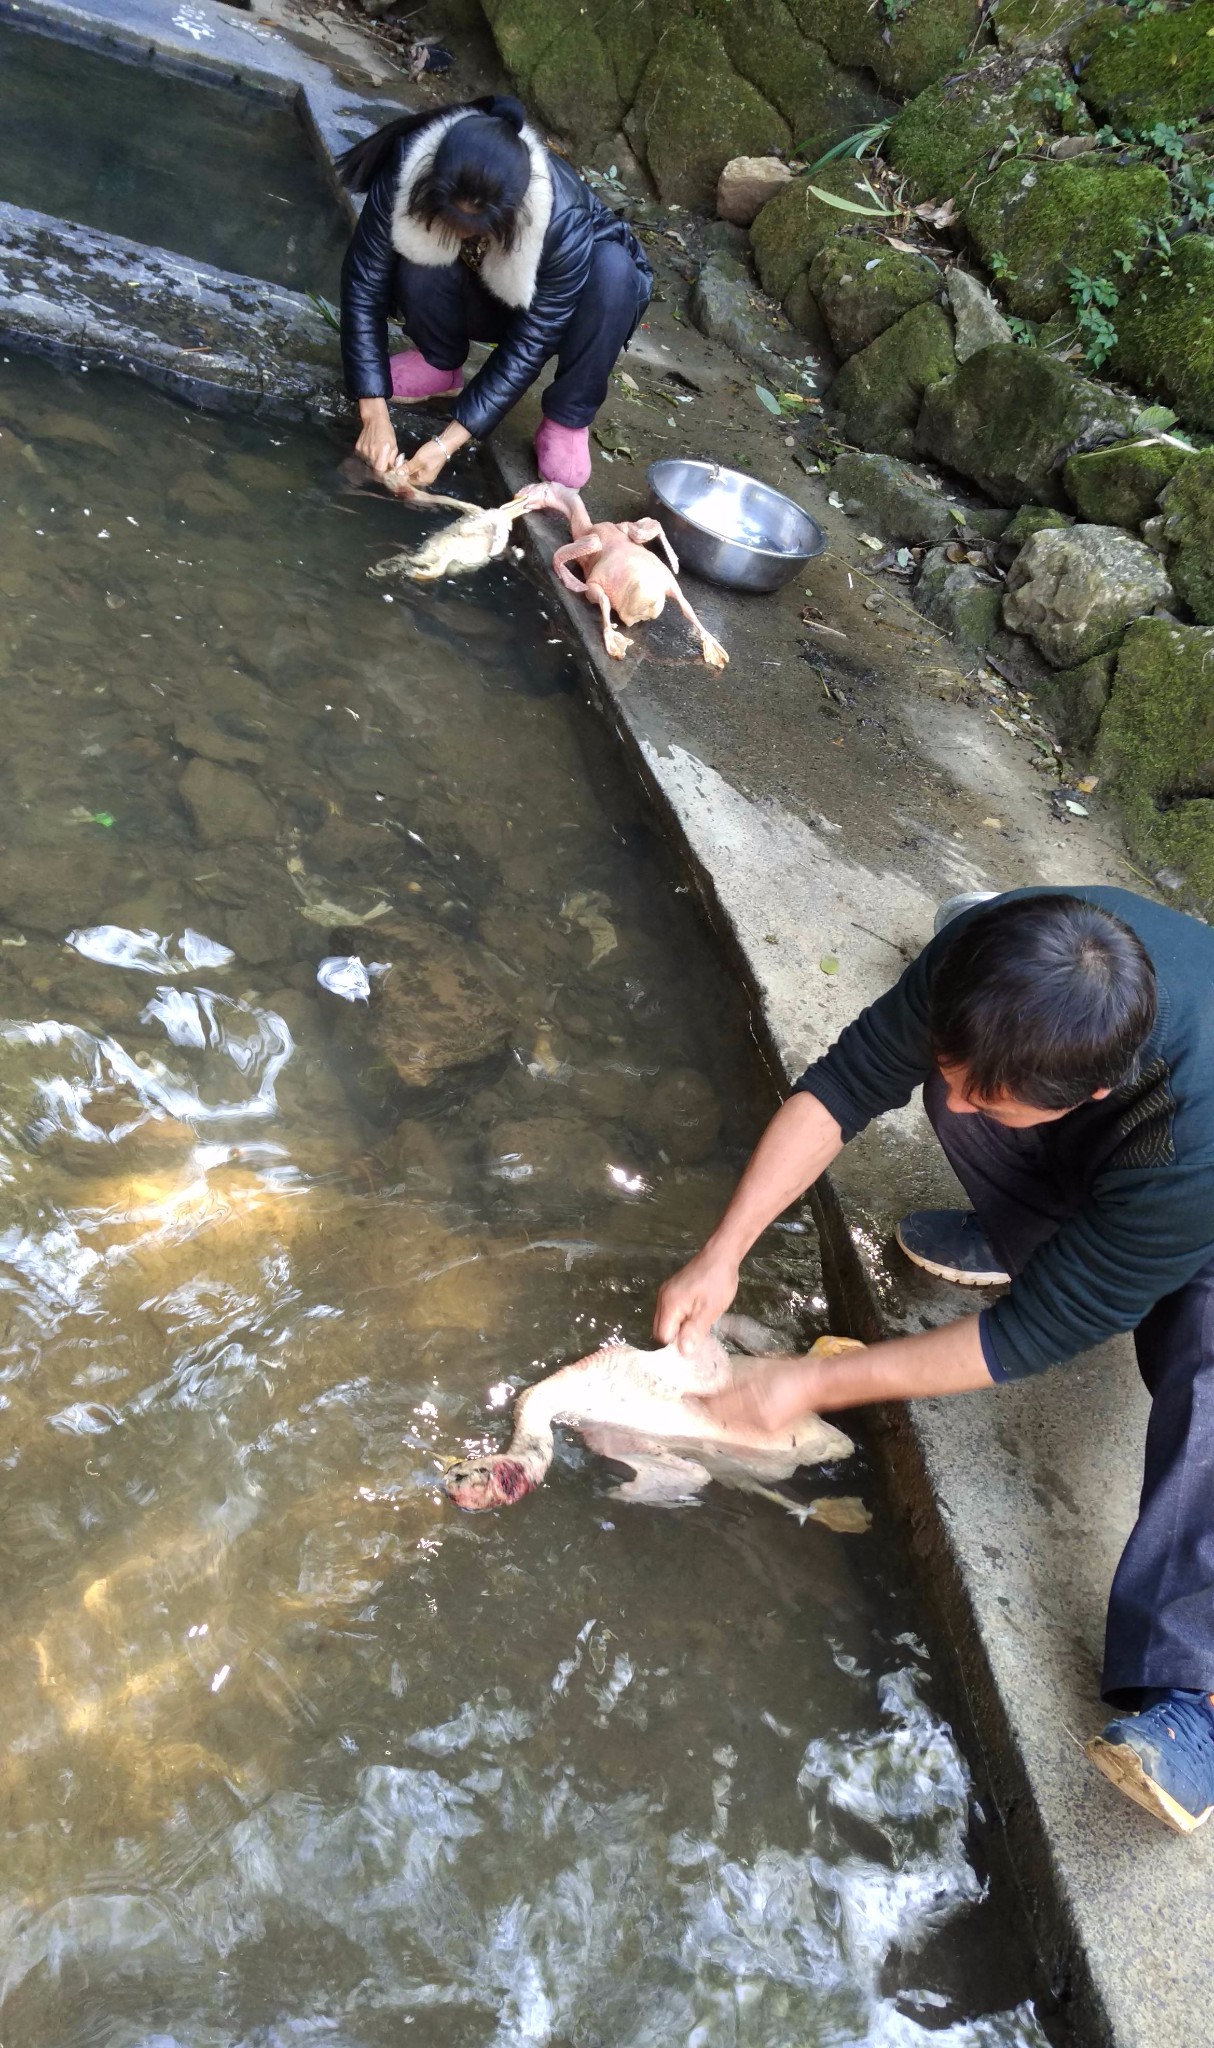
{"x":1143,"y":1158}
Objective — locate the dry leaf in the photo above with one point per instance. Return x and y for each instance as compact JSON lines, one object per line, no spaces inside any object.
{"x":996,"y":824}
{"x":869,"y":540}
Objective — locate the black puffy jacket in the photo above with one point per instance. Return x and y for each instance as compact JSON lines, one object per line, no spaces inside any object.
{"x":542,"y":278}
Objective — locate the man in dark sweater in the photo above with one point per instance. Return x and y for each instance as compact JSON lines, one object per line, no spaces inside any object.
{"x":1064,"y":1041}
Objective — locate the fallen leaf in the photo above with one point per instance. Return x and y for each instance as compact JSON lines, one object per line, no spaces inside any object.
{"x":1087,"y":783}
{"x":903,"y":248}
{"x":835,"y":500}
{"x":766,"y":399}
{"x":829,"y":964}
{"x":869,"y":540}
{"x":996,"y":824}
{"x":940,"y":215}
{"x":629,"y":383}
{"x":1077,"y":810}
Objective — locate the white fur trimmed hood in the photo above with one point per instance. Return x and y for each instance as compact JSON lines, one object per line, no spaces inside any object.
{"x":510,"y":274}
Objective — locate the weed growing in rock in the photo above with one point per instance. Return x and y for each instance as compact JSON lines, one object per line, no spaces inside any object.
{"x":1094,"y":298}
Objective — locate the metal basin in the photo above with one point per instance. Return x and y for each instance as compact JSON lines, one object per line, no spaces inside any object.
{"x":729,"y":527}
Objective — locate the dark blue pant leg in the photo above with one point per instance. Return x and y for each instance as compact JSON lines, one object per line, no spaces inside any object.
{"x":444,"y":308}
{"x":1161,"y":1611}
{"x":1160,"y":1629}
{"x":616,"y":295}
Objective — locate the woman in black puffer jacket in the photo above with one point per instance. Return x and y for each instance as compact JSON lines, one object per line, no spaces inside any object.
{"x":473,"y":231}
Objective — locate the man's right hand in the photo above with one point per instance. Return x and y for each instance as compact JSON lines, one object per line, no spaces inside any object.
{"x":377,"y":441}
{"x":692,"y":1299}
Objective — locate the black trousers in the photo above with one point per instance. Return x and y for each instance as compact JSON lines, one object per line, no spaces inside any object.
{"x":445,"y":308}
{"x":1160,"y":1629}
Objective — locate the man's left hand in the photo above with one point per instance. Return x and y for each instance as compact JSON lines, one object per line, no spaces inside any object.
{"x":426,"y":465}
{"x":765,"y":1395}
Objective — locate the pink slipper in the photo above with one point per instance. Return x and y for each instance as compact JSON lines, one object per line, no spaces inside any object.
{"x":563,"y":454}
{"x":414,"y":377}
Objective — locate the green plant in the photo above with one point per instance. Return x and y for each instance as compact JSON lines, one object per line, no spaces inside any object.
{"x":865,"y":142}
{"x":1094,"y":298}
{"x":327,"y":312}
{"x":999,"y":267}
{"x":852,"y":205}
{"x":1023,"y":331}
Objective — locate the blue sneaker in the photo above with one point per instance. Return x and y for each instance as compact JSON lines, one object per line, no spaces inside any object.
{"x":1163,"y":1758}
{"x":952,"y":1244}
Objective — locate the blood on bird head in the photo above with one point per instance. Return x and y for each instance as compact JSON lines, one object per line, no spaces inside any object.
{"x":487,"y":1483}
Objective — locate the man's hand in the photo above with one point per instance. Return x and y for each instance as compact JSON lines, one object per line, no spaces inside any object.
{"x":692,"y":1299}
{"x":377,"y":441}
{"x":765,"y":1396}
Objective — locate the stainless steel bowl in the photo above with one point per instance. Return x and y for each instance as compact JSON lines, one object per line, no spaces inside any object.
{"x":729,"y":527}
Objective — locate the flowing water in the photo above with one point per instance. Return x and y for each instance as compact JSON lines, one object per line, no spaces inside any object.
{"x":120,"y":146}
{"x":294,"y":1753}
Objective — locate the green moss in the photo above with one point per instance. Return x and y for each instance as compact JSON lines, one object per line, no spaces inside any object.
{"x":1165,"y":330}
{"x":1046,"y":218}
{"x":629,"y":35}
{"x":875,"y":398}
{"x":862,"y":286}
{"x":803,"y":310}
{"x":1120,"y":486}
{"x":820,"y":102}
{"x":1156,"y":747}
{"x":1074,"y":700}
{"x":693,"y":112}
{"x":1026,"y":24}
{"x":1159,"y":67}
{"x":574,"y":89}
{"x":1011,"y":416}
{"x":1187,"y":505}
{"x":524,"y":30}
{"x":794,"y":225}
{"x":946,"y":137}
{"x":1029,"y":520}
{"x":905,"y":54}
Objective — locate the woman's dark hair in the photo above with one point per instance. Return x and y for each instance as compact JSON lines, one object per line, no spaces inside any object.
{"x":1043,"y":999}
{"x":479,"y":175}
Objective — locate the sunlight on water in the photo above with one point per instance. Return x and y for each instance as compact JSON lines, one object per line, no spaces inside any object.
{"x":294,"y":1753}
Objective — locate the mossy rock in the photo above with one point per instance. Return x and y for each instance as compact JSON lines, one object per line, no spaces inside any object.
{"x":876,"y":397}
{"x":946,"y":137}
{"x":794,"y":225}
{"x":525,"y":30}
{"x":820,"y":102}
{"x":1165,"y":330}
{"x":1031,"y":24}
{"x":1032,"y":519}
{"x":1156,"y":747}
{"x":1187,"y":505}
{"x":862,"y":286}
{"x":1011,"y":416}
{"x":1160,"y":67}
{"x":1120,"y":486}
{"x":1046,"y":218}
{"x":1074,"y":701}
{"x":574,"y":88}
{"x":693,"y":113}
{"x":629,"y":35}
{"x":905,"y":52}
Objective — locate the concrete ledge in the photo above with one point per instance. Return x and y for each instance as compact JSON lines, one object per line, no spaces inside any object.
{"x":209,"y":336}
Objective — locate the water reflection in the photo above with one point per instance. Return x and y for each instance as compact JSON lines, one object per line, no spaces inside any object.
{"x":294,"y":1753}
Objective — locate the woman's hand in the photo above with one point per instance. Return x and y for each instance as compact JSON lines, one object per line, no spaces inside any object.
{"x":692,"y":1299}
{"x":377,"y":441}
{"x":423,"y":468}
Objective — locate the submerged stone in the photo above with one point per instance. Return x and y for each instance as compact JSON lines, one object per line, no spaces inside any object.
{"x":897,"y":502}
{"x":1120,"y":486}
{"x":793,"y":227}
{"x":437,"y":1008}
{"x":1073,"y":591}
{"x":862,"y":286}
{"x":1136,"y":70}
{"x":693,"y":112}
{"x":945,"y":139}
{"x":1011,"y":416}
{"x":1156,"y":747}
{"x":1187,"y":505}
{"x":225,"y":806}
{"x":877,"y":395}
{"x":1165,"y":330}
{"x":1045,"y":219}
{"x":684,"y":1114}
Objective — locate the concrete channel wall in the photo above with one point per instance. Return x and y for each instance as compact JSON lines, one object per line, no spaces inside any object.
{"x":1015,"y":1503}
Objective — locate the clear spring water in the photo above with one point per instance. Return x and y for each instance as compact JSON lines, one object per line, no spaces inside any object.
{"x":295,"y":1755}
{"x":119,"y":146}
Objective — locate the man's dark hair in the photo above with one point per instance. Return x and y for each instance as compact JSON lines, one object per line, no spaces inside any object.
{"x":1043,"y":999}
